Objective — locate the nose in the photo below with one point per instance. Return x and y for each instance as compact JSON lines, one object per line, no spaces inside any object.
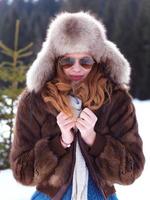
{"x":76,"y":67}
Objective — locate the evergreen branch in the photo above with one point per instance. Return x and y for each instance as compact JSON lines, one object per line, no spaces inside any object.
{"x":5,"y":63}
{"x":7,"y":53}
{"x":16,"y":35}
{"x":20,"y":63}
{"x":11,"y":92}
{"x":25,"y":48}
{"x":6,"y":116}
{"x":25,"y":54}
{"x":4,"y":47}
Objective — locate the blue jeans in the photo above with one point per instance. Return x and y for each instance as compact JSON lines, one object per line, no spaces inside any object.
{"x":93,"y":193}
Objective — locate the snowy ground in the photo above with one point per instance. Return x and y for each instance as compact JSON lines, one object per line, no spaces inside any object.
{"x":11,"y":190}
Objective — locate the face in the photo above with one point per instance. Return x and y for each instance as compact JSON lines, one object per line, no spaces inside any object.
{"x":76,"y":66}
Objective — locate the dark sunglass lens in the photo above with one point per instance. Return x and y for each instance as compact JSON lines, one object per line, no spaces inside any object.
{"x":66,"y":62}
{"x":87,"y":62}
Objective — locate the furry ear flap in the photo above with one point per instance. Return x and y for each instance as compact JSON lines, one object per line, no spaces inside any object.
{"x":117,"y":65}
{"x":41,"y":69}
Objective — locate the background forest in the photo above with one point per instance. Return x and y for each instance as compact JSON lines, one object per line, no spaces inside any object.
{"x":23,"y":25}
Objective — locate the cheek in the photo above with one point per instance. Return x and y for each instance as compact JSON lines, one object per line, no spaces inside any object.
{"x":66,"y":72}
{"x":87,"y":72}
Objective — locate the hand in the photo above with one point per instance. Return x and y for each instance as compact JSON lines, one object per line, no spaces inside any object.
{"x":65,"y":124}
{"x":86,"y":123}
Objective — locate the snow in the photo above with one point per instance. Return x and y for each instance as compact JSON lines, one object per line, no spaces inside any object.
{"x":10,"y":189}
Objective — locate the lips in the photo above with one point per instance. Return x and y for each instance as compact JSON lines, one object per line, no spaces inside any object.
{"x":76,"y":78}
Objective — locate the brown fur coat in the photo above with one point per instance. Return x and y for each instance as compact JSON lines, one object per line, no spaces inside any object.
{"x":38,"y":158}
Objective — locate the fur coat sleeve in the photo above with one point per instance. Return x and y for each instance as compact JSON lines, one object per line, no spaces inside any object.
{"x":33,"y":157}
{"x":117,"y":150}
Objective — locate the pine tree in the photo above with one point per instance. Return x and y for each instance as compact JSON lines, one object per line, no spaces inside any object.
{"x":108,"y":12}
{"x":75,"y":6}
{"x":12,"y":74}
{"x":141,"y":52}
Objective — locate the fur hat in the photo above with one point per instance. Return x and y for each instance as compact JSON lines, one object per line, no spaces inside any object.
{"x":76,"y":33}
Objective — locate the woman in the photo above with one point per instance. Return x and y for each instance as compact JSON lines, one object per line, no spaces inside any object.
{"x":76,"y":132}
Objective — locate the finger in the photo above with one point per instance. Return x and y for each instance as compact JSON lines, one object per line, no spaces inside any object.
{"x":83,"y":122}
{"x":69,"y":125}
{"x":85,"y":116}
{"x":66,"y":121}
{"x":80,"y":127}
{"x":90,"y":113}
{"x":61,"y":117}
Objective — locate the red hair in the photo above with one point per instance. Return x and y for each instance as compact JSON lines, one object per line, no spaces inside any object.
{"x":94,"y":91}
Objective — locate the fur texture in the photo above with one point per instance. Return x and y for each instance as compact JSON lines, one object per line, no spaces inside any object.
{"x":75,"y":33}
{"x":38,"y":158}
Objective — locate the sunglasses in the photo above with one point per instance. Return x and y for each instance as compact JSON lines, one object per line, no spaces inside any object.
{"x":86,"y":62}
